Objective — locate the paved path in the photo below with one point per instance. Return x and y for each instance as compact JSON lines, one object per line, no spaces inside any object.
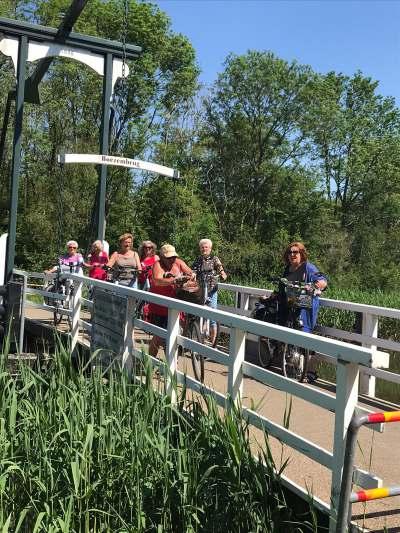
{"x":377,"y":452}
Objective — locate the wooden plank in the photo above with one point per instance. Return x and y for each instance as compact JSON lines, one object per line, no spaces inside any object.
{"x":212,"y":353}
{"x":150,"y":328}
{"x":358,"y":337}
{"x":304,"y":446}
{"x":312,"y":395}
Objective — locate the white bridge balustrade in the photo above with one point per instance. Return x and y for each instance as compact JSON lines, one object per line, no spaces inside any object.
{"x":369,"y":337}
{"x":351,"y":362}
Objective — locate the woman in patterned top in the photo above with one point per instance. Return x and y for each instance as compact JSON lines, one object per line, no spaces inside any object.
{"x":209,"y":266}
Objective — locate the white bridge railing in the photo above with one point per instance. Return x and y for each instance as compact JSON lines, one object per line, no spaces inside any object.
{"x":368,"y":337}
{"x":349,"y":359}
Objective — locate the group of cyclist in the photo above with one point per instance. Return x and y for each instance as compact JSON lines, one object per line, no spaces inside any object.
{"x":166,"y":273}
{"x":161,"y":274}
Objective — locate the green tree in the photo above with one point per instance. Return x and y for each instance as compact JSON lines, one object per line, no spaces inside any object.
{"x":251,"y":136}
{"x":355,"y":136}
{"x":159,"y":82}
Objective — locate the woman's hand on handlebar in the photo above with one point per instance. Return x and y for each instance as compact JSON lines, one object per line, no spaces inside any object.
{"x":182,"y":278}
{"x":320,"y":284}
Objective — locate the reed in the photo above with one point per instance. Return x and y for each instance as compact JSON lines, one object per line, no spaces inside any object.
{"x":83,"y":454}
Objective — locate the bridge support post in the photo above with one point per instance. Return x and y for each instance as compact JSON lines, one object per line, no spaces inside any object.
{"x":23,"y":313}
{"x":76,"y":313}
{"x":347,"y":379}
{"x":370,"y":328}
{"x":127,"y":354}
{"x":244,"y":301}
{"x":236,"y":358}
{"x":171,"y":351}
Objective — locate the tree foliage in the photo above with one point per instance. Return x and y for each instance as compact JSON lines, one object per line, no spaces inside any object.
{"x":273,"y":151}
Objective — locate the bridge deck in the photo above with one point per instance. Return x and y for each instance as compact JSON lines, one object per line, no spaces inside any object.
{"x":378,"y":453}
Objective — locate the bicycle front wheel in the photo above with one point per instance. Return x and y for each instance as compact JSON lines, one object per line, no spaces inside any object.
{"x":58,"y":315}
{"x":194,"y":334}
{"x":215,"y":343}
{"x":58,"y":309}
{"x":294,"y":362}
{"x":265,"y":351}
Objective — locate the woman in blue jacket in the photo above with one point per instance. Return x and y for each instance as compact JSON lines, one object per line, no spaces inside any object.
{"x":298,"y":268}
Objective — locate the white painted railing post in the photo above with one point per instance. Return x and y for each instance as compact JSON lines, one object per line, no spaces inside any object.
{"x":171,"y":352}
{"x":76,"y":312}
{"x":370,"y":328}
{"x":347,"y":379}
{"x":23,"y":312}
{"x":127,"y":362}
{"x":236,"y":359}
{"x":244,"y":301}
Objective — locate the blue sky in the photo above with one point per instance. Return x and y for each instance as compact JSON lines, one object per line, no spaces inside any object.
{"x":340,"y":35}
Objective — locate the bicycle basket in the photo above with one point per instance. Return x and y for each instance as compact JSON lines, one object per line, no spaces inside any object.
{"x":267,"y":312}
{"x":298,"y":297}
{"x":191,"y":292}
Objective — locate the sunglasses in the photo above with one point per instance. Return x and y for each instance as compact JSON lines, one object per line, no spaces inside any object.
{"x":72,"y":247}
{"x":148,"y":247}
{"x":294,"y":252}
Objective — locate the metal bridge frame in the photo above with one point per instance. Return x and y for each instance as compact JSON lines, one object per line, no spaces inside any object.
{"x":21,"y":37}
{"x":347,"y":498}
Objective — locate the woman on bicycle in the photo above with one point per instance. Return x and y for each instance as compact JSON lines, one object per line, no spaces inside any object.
{"x":298,"y":268}
{"x":209,"y":267}
{"x":96,"y":260}
{"x":126,"y":262}
{"x":148,"y":256}
{"x":72,"y":261}
{"x":167,"y":272}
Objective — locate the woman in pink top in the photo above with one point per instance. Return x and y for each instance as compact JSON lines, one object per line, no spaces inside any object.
{"x":96,"y":259}
{"x":148,"y":256}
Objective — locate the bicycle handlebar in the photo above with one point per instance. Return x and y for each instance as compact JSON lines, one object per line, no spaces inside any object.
{"x":120,"y":268}
{"x":309,"y":287}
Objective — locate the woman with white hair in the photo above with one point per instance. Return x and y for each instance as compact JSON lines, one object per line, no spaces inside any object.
{"x":208,"y":267}
{"x":96,"y":260}
{"x":148,"y":256}
{"x":72,"y":261}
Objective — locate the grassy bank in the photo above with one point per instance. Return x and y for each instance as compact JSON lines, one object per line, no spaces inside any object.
{"x":84,"y":454}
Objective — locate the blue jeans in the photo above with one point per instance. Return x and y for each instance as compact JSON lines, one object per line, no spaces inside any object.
{"x":212,"y":302}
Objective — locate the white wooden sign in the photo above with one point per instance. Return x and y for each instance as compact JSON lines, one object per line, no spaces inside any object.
{"x":98,"y":159}
{"x":3,"y":254}
{"x":111,"y":331}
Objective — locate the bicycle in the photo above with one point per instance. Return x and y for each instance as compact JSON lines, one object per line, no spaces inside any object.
{"x":204,"y":278}
{"x":115,"y":272}
{"x":293,"y":359}
{"x":191,"y":291}
{"x":64,"y":287}
{"x":113,"y":276}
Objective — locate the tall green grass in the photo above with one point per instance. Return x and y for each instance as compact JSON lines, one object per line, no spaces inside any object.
{"x":82,"y":454}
